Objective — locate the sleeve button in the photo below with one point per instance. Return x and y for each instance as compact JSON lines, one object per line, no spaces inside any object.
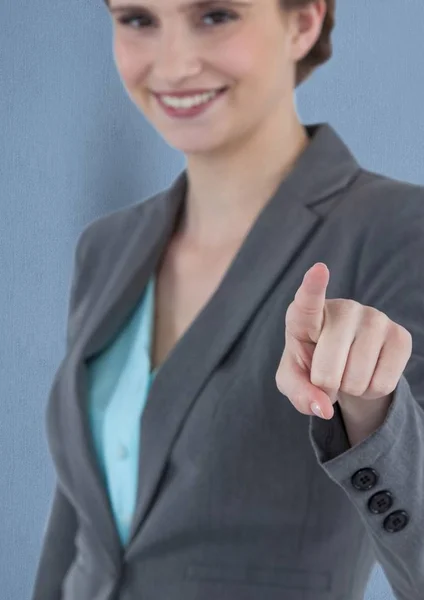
{"x":380,"y":502}
{"x":396,"y":521}
{"x":364,"y":479}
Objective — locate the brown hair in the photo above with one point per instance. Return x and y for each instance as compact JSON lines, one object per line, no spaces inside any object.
{"x":322,"y":51}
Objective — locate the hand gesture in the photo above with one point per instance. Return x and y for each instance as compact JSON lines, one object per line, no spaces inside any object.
{"x":338,"y":350}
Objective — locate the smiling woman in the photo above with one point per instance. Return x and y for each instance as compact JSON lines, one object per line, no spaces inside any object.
{"x":191,"y":463}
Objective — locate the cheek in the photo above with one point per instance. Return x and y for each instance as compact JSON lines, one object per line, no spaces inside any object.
{"x":248,"y":57}
{"x":131,"y":62}
{"x":238,"y":64}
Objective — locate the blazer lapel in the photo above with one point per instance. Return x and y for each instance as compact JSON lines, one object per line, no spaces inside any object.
{"x":270,"y":247}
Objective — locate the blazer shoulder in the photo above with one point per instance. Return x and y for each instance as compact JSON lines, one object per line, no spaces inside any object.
{"x":109,"y":229}
{"x":377,"y":190}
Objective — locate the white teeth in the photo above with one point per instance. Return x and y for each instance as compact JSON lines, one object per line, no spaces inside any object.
{"x":190,"y":101}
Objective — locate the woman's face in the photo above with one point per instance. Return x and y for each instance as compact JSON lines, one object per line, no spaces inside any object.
{"x":248,"y":46}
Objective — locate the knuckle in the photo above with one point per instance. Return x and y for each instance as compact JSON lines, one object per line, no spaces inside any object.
{"x":279,"y":382}
{"x":403,"y":335}
{"x":354,"y":388}
{"x":325,"y":380}
{"x":297,"y":399}
{"x":347,"y":306}
{"x":375,"y":320}
{"x":382,"y":388}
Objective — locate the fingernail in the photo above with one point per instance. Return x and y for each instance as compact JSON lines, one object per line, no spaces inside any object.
{"x":315,"y":408}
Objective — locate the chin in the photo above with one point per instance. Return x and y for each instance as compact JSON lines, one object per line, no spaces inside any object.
{"x":195,"y":142}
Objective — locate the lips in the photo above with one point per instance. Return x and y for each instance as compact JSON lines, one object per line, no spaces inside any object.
{"x":188,"y":94}
{"x":191,"y":111}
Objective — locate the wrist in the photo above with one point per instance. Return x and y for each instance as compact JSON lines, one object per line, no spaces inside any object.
{"x":363,"y":417}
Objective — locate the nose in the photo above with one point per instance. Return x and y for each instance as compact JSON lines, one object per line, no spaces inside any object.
{"x":176,"y":57}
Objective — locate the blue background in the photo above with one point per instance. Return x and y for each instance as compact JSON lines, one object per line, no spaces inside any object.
{"x":73,"y":147}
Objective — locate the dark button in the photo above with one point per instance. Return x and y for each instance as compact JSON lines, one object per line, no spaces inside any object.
{"x":380,"y":502}
{"x":364,"y":479}
{"x":396,"y":521}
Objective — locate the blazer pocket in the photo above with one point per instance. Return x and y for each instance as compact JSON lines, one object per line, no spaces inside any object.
{"x":294,"y":579}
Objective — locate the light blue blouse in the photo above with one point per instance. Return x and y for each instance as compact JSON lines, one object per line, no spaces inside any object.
{"x":119,"y":380}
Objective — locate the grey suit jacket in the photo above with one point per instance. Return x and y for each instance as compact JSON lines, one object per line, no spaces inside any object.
{"x":240,"y":496}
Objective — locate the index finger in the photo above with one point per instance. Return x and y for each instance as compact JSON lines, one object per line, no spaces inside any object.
{"x":309,"y":301}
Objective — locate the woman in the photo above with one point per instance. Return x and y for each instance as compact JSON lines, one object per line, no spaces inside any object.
{"x":205,"y":321}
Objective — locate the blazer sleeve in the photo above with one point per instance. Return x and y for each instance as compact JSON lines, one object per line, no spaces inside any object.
{"x":58,"y":548}
{"x":390,"y":277}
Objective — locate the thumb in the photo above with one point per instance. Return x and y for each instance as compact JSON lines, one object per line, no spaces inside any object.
{"x":294,"y":382}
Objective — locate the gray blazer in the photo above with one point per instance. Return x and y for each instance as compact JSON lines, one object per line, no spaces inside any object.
{"x":240,"y":496}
